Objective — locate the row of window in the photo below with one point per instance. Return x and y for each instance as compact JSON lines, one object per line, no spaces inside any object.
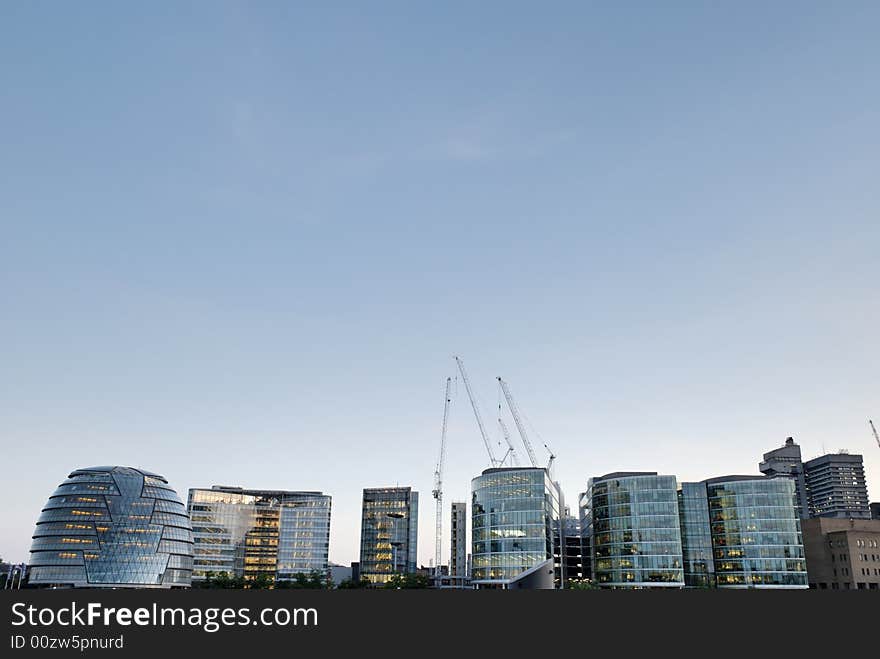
{"x":847,"y":586}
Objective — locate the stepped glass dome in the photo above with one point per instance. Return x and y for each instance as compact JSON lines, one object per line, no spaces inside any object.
{"x":112,"y":527}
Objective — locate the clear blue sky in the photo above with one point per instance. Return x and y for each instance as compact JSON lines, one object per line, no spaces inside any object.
{"x":241,"y":241}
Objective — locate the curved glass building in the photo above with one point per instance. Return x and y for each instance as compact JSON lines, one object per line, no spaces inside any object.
{"x":633,"y":521}
{"x":112,"y":527}
{"x":756,"y":533}
{"x":516,"y":513}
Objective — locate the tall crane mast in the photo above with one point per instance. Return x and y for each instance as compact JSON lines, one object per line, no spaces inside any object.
{"x":874,"y":430}
{"x":510,"y":450}
{"x":519,"y":425}
{"x":467,"y":385}
{"x":438,"y":481}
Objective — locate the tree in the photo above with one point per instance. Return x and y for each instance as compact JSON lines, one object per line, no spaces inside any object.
{"x":314,"y":580}
{"x":348,"y":583}
{"x":581,"y":584}
{"x":400,"y":581}
{"x":262,"y":581}
{"x":220,"y":580}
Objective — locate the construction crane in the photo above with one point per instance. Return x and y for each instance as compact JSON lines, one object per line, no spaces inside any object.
{"x":467,"y":385}
{"x":516,"y":419}
{"x":438,"y":481}
{"x":552,"y":457}
{"x":511,"y":452}
{"x":874,"y":430}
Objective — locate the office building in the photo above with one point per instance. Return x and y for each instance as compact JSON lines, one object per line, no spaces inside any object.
{"x":633,"y":521}
{"x":842,"y":554}
{"x":586,"y":553}
{"x":696,"y":536}
{"x":389,"y":533}
{"x":875,"y":510}
{"x":248,"y":533}
{"x":571,"y":548}
{"x":836,"y":486}
{"x":755,"y":532}
{"x":112,"y":527}
{"x":515,"y":514}
{"x":786,"y":462}
{"x":458,"y":549}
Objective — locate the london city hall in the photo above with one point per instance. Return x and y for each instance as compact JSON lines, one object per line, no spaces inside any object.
{"x":112,"y":527}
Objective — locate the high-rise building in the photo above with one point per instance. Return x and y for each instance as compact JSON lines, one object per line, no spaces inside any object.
{"x":458,"y":550}
{"x":842,"y":554}
{"x":389,"y":533}
{"x":696,"y":536}
{"x":516,"y":516}
{"x":836,"y":486}
{"x":639,"y":530}
{"x":633,"y":521}
{"x":754,"y":529}
{"x":112,"y":527}
{"x":875,"y":510}
{"x":786,"y":462}
{"x":832,"y":485}
{"x":259,"y":533}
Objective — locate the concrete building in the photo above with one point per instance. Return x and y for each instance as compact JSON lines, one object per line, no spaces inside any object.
{"x":256,"y":533}
{"x":458,"y":549}
{"x":786,"y":462}
{"x":831,"y":485}
{"x":842,"y":554}
{"x":516,"y":516}
{"x":836,"y":486}
{"x":570,"y":548}
{"x":389,"y":533}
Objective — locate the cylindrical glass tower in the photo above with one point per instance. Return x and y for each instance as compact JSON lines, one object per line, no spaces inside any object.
{"x":515,"y":517}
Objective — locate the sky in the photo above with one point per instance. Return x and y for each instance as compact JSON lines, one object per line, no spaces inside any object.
{"x":240,"y":242}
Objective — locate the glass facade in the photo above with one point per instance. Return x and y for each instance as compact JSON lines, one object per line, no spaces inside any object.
{"x":112,"y":527}
{"x":250,"y":533}
{"x":515,"y":517}
{"x":696,"y":536}
{"x":633,"y":522}
{"x":389,"y":533}
{"x":755,"y":532}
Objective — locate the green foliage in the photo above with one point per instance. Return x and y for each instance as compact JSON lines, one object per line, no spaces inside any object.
{"x":348,"y":583}
{"x":314,"y":580}
{"x":399,"y":581}
{"x":581,"y":584}
{"x":220,"y":580}
{"x":263,"y":581}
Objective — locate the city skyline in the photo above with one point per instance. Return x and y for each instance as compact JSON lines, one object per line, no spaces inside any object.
{"x":426,"y":519}
{"x":240,"y":244}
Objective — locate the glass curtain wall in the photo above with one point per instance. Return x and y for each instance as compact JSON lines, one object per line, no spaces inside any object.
{"x":515,"y":519}
{"x":756,"y":533}
{"x":635,"y":532}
